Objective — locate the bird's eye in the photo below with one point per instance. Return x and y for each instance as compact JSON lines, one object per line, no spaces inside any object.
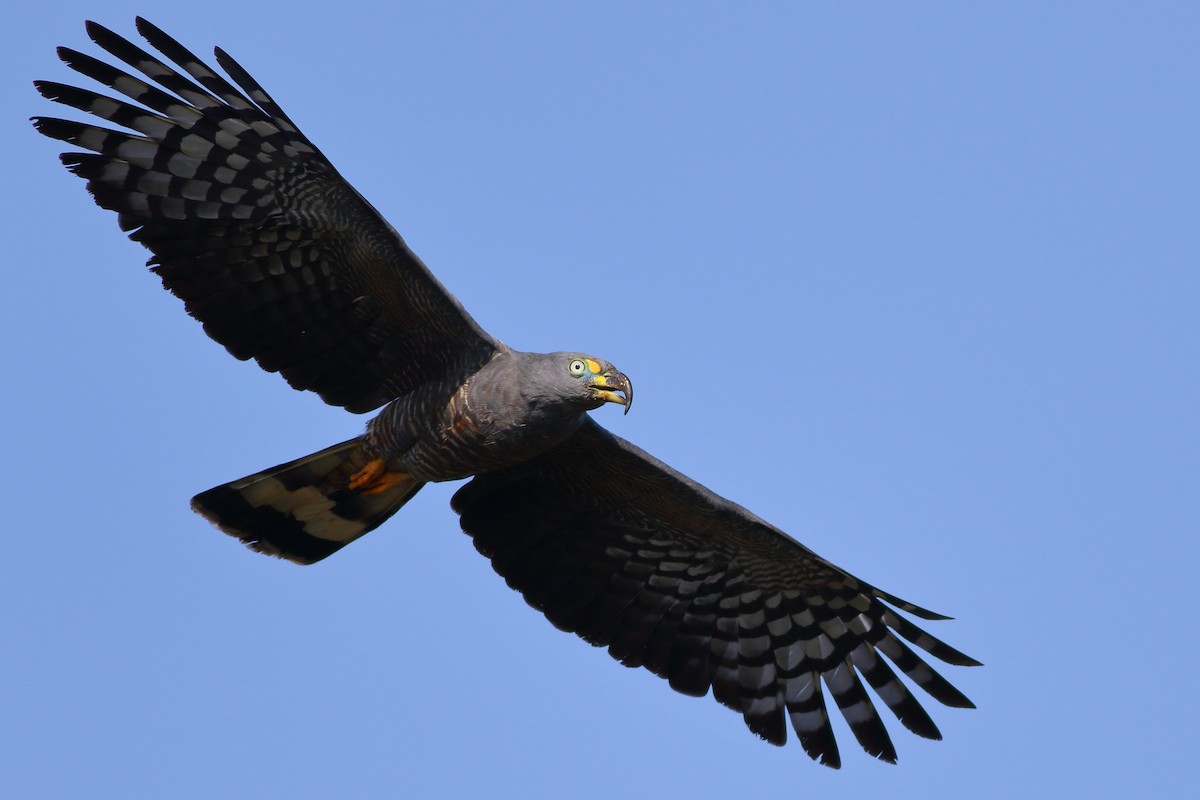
{"x":577,"y":367}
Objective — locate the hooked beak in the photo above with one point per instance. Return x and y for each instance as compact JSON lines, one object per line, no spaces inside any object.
{"x":613,"y":387}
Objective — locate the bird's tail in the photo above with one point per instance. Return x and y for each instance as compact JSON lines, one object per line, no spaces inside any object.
{"x":309,"y":508}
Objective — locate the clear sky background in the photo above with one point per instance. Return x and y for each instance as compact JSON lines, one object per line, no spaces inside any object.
{"x":919,"y":285}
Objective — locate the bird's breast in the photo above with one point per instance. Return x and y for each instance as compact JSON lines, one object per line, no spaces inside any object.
{"x":488,"y":435}
{"x":464,"y":432}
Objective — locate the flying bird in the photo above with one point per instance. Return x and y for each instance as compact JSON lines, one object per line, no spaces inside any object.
{"x":285,"y":263}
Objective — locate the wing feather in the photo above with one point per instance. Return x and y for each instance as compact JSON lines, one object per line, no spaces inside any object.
{"x":627,"y":553}
{"x":252,"y":227}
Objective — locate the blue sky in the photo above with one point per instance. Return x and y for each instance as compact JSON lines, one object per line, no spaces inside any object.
{"x":938,"y":263}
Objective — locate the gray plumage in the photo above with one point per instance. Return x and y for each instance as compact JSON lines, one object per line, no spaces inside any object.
{"x":284,"y":262}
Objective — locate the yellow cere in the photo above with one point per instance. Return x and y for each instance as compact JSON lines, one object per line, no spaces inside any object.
{"x":593,"y":366}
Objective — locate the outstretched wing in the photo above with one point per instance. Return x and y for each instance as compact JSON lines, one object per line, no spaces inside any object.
{"x":616,"y":546}
{"x":267,"y":245}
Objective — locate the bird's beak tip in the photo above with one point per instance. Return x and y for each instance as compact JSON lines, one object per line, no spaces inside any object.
{"x":615,"y":387}
{"x":626,"y":388}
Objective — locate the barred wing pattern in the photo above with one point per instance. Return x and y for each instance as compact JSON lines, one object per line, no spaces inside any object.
{"x":629,"y":554}
{"x":268,"y":246}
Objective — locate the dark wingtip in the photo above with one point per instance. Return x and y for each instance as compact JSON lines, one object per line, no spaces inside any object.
{"x":955,"y":699}
{"x":147,"y":28}
{"x":70,"y":57}
{"x":923,"y":613}
{"x":97,"y":32}
{"x":45,"y":126}
{"x":771,"y":729}
{"x":53,"y":90}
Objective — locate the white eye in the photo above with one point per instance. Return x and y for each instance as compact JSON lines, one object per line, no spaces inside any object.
{"x":577,"y":367}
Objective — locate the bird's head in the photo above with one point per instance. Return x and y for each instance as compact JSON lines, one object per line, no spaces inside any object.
{"x":592,"y":381}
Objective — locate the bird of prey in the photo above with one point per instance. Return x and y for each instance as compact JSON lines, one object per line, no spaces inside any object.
{"x":284,"y":262}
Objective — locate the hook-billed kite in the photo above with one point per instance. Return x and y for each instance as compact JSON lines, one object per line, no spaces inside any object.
{"x":284,"y":262}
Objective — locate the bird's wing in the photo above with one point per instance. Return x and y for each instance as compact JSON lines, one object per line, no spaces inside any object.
{"x":267,"y":245}
{"x":624,"y":551}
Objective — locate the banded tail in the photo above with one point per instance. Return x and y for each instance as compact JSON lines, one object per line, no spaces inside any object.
{"x":305,"y":510}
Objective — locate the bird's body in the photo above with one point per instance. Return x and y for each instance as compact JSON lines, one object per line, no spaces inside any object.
{"x":284,"y":262}
{"x":505,"y":413}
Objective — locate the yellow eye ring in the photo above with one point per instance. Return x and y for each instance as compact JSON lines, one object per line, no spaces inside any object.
{"x":577,"y":367}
